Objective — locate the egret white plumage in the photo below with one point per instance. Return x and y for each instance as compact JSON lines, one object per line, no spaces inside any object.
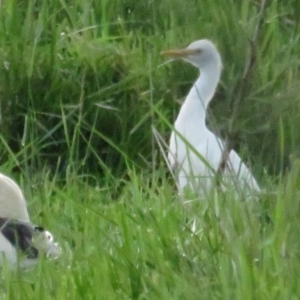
{"x":21,"y":242}
{"x":195,"y":153}
{"x":12,"y":202}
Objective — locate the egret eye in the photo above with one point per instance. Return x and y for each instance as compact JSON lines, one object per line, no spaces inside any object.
{"x":49,"y":236}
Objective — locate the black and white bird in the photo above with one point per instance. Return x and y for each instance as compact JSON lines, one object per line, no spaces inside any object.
{"x":21,"y":243}
{"x":196,"y":153}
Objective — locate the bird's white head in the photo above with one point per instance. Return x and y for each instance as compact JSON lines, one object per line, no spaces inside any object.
{"x":43,"y":241}
{"x":201,"y":54}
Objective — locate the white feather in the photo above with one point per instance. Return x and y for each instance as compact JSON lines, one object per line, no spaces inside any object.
{"x":12,"y":201}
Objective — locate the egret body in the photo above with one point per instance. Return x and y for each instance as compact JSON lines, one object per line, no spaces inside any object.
{"x":21,"y":242}
{"x":195,"y":153}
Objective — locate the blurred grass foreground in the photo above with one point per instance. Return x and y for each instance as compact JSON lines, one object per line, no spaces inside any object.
{"x":82,"y":86}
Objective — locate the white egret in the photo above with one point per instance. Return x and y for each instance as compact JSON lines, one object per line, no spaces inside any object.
{"x":21,"y":242}
{"x":195,"y":153}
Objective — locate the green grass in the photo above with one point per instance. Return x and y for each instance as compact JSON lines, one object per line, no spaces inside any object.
{"x":82,"y":86}
{"x":145,"y":243}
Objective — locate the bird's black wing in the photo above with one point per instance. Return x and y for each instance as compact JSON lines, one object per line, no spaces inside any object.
{"x":20,"y":234}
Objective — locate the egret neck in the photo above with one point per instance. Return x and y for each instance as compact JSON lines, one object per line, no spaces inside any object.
{"x":193,"y":111}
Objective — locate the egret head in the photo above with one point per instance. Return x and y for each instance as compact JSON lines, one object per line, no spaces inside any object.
{"x":201,"y":54}
{"x":43,"y":241}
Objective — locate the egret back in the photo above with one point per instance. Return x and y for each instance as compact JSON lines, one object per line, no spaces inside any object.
{"x":12,"y":201}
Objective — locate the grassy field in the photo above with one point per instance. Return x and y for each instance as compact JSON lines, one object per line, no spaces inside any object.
{"x":82,"y":86}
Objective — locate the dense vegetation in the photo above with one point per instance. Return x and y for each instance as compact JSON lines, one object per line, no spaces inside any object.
{"x":82,"y":88}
